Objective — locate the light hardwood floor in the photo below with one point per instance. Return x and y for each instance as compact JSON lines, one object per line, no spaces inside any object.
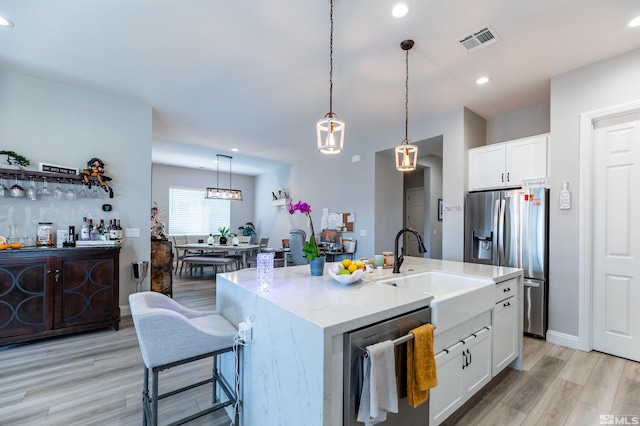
{"x":95,"y":378}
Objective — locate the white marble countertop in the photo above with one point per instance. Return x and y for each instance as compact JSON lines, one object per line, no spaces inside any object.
{"x":338,"y":308}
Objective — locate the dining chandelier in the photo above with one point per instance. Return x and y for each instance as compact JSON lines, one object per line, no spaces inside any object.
{"x":406,"y":153}
{"x":330,"y":130}
{"x":223,"y":193}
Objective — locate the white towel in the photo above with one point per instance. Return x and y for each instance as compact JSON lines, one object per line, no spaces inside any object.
{"x":379,"y":391}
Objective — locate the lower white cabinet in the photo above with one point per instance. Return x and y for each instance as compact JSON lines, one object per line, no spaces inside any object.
{"x":505,"y":326}
{"x":505,"y":317}
{"x":463,"y":369}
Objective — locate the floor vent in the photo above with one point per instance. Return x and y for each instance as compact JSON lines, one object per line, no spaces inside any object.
{"x":479,"y":39}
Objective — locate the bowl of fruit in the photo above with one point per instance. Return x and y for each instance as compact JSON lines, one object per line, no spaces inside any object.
{"x":347,"y":272}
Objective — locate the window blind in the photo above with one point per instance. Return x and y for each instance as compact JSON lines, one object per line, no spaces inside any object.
{"x":191,"y":214}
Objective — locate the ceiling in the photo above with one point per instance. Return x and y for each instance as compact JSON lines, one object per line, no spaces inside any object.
{"x":254,"y":74}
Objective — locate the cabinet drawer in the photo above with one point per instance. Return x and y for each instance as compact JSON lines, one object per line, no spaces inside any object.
{"x":506,"y":289}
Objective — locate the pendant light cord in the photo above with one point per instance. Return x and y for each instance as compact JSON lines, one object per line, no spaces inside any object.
{"x":331,"y":62}
{"x":406,"y":99}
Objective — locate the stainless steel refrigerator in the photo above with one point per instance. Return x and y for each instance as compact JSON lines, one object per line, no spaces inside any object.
{"x":510,"y":228}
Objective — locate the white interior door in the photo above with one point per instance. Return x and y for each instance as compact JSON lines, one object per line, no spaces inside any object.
{"x":616,"y":249}
{"x":414,"y":219}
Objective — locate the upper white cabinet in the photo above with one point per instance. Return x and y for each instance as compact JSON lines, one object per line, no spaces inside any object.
{"x":507,"y":164}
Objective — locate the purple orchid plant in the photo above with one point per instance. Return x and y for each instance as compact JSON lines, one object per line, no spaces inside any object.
{"x":310,"y":248}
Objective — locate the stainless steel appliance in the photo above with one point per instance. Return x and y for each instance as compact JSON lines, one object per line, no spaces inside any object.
{"x":510,"y":228}
{"x":354,"y":344}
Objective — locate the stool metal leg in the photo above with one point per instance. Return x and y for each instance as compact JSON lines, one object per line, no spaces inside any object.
{"x":154,"y":401}
{"x":145,"y":396}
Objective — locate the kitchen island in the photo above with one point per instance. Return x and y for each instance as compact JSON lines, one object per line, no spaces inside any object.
{"x":292,"y":370}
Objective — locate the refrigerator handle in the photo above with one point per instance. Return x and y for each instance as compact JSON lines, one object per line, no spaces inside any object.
{"x":529,"y":283}
{"x":501,"y":233}
{"x":494,"y":242}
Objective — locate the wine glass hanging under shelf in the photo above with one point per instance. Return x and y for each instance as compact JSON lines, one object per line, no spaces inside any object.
{"x":49,"y":176}
{"x":60,"y":178}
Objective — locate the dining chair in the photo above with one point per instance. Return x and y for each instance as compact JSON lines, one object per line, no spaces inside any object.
{"x":253,"y":259}
{"x":296,"y":242}
{"x":181,"y":254}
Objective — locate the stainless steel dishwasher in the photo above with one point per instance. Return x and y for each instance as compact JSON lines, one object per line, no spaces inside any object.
{"x":354,"y":344}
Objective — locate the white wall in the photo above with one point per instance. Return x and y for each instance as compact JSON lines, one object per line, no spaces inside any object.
{"x":47,"y":122}
{"x":596,"y":86}
{"x":163,"y":177}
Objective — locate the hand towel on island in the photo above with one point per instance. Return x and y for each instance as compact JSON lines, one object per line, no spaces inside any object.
{"x":421,"y":365}
{"x":379,"y":393}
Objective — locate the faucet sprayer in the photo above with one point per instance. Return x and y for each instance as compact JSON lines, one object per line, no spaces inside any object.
{"x":398,"y":259}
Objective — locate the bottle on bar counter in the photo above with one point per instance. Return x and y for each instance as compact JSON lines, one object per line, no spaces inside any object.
{"x":113,"y":231}
{"x":119,"y":230}
{"x":84,"y":230}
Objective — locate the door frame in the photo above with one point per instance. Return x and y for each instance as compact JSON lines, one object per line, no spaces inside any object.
{"x":585,"y":272}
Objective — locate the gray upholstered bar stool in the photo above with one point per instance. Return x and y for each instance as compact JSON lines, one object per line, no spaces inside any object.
{"x":169,"y":335}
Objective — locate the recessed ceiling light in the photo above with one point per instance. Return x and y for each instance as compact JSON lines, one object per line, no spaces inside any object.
{"x":4,"y":22}
{"x":482,"y":80}
{"x":635,"y":22}
{"x":234,"y":149}
{"x":399,"y":10}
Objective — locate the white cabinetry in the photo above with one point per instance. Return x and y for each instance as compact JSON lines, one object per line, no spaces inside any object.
{"x":463,"y":369}
{"x":507,"y":164}
{"x":505,"y":326}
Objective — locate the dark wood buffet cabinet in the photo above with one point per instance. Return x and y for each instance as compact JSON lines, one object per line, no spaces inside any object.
{"x":53,"y":291}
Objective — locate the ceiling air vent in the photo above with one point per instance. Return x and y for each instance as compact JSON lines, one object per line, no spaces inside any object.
{"x":479,"y":39}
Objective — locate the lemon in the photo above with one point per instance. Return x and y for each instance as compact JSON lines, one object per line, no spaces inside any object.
{"x":352,"y":267}
{"x":346,"y":263}
{"x":344,"y":272}
{"x":359,"y":264}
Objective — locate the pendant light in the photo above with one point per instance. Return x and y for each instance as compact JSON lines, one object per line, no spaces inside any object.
{"x":223,"y":193}
{"x":330,"y":130}
{"x":406,"y":153}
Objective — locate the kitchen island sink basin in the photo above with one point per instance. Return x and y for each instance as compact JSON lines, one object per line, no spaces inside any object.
{"x":456,"y":298}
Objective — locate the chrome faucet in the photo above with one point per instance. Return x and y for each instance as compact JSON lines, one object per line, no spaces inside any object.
{"x":397,"y":260}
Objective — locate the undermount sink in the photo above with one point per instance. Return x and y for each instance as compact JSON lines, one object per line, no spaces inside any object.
{"x":456,"y":298}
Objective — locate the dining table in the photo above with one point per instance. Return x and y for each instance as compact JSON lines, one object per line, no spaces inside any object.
{"x":203,"y":248}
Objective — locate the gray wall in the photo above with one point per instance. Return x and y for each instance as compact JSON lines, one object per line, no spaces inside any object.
{"x":371,"y":187}
{"x":62,"y":125}
{"x":603,"y":84}
{"x":163,"y":177}
{"x":433,"y":176}
{"x":519,"y":124}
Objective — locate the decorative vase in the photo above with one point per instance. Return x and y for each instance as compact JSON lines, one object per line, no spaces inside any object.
{"x":317,"y":266}
{"x":223,"y":241}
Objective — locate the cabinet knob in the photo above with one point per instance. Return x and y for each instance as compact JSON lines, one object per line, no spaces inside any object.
{"x":502,"y":177}
{"x":507,"y":177}
{"x":506,"y":304}
{"x":507,"y":289}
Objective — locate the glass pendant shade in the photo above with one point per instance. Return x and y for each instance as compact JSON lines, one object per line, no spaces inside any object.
{"x":330,"y":135}
{"x":223,"y":193}
{"x":406,"y":157}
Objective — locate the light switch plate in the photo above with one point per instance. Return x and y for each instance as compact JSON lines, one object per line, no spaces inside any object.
{"x":132,"y":232}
